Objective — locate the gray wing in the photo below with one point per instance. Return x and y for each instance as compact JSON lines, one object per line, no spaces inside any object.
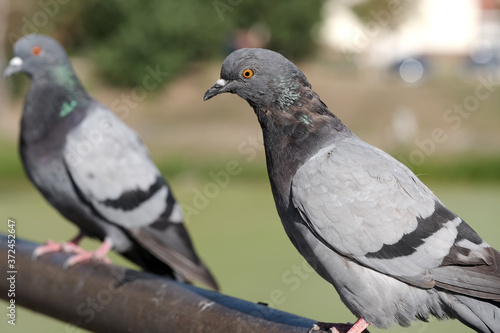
{"x":113,"y":171}
{"x":364,"y":204}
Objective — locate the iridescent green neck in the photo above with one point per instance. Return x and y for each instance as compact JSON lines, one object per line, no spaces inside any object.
{"x":65,"y":78}
{"x":289,"y":92}
{"x":67,"y":108}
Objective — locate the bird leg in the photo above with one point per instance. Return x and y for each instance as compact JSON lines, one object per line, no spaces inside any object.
{"x":358,"y":327}
{"x":51,"y":247}
{"x":98,"y":255}
{"x":72,"y":245}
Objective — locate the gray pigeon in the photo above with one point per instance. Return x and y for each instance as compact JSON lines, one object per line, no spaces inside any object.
{"x":96,"y":171}
{"x":362,"y":220}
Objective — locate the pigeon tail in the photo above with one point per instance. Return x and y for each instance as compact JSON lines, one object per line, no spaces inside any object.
{"x":159,"y":257}
{"x":480,"y":315}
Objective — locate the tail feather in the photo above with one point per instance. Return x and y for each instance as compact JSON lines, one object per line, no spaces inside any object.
{"x":479,"y":314}
{"x":469,"y":279}
{"x":187,"y":268}
{"x":149,"y":263}
{"x":480,"y":278}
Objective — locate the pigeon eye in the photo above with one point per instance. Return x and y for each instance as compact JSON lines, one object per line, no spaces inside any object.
{"x":36,"y":50}
{"x":247,"y":73}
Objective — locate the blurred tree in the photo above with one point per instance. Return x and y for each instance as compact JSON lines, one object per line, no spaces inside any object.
{"x":289,"y":23}
{"x":128,"y":36}
{"x":391,"y":11}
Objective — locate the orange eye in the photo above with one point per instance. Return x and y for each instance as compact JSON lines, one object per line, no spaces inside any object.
{"x":247,"y":73}
{"x":36,"y":50}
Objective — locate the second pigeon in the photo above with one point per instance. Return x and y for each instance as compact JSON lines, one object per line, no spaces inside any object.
{"x":96,"y":171}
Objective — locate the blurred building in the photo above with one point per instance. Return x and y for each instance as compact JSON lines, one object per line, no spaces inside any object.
{"x":467,"y":30}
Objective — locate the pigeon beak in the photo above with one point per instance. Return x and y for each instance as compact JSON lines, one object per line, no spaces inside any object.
{"x":217,"y":88}
{"x":15,"y":66}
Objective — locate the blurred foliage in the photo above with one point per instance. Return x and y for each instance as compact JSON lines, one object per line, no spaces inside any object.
{"x":128,"y":36}
{"x":467,"y":167}
{"x":290,"y":23}
{"x":387,"y":13}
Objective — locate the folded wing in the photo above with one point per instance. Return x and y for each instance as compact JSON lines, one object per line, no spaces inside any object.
{"x":364,"y":204}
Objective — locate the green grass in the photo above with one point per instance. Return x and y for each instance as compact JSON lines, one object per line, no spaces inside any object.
{"x":240,"y":237}
{"x":464,"y":167}
{"x":10,"y":163}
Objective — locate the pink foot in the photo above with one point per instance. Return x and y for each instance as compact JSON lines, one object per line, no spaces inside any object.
{"x":51,"y":247}
{"x":358,"y":327}
{"x":97,"y":255}
{"x":48,"y":247}
{"x":71,"y":247}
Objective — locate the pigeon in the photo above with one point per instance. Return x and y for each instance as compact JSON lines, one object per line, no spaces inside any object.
{"x":96,"y":171}
{"x":362,"y":219}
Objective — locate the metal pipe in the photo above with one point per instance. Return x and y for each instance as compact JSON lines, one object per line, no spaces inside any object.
{"x":108,"y":298}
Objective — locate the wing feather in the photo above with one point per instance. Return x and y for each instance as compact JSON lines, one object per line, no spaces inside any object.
{"x":112,"y":169}
{"x":364,"y":204}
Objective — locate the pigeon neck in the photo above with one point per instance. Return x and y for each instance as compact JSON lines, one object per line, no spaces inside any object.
{"x":54,"y":100}
{"x":293,"y":136}
{"x":63,"y":77}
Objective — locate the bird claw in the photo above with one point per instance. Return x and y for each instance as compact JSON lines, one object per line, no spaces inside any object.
{"x":330,"y":327}
{"x":336,"y":328}
{"x":53,"y":247}
{"x":70,"y":247}
{"x":49,"y":247}
{"x":80,"y":256}
{"x":99,"y":255}
{"x":85,"y":256}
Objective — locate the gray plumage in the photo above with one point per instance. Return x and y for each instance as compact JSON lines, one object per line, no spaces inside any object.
{"x":362,"y":219}
{"x":95,"y":170}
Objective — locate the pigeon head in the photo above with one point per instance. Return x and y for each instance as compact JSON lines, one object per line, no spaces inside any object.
{"x":279,"y":93}
{"x":264,"y":78}
{"x":39,"y":56}
{"x":55,"y":91}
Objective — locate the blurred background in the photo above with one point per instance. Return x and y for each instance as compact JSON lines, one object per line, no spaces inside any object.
{"x":415,"y":78}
